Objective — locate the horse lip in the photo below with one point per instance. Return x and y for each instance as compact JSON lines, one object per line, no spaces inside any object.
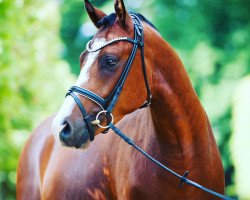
{"x":83,"y":140}
{"x":85,"y":145}
{"x":78,"y":139}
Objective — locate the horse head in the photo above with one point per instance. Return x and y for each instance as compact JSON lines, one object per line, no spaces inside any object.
{"x":112,"y":79}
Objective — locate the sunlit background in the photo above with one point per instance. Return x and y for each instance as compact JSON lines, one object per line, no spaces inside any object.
{"x":40,"y":44}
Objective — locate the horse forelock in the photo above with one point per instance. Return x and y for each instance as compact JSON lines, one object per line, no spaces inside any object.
{"x":109,"y":20}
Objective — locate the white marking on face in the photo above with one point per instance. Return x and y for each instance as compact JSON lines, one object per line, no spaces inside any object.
{"x":84,"y":75}
{"x":65,"y":110}
{"x":69,"y":103}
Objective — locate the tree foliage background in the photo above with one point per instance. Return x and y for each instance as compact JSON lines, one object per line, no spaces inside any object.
{"x":212,"y":37}
{"x":33,"y":78}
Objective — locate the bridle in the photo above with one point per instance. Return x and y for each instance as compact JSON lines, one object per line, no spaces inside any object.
{"x":108,"y":103}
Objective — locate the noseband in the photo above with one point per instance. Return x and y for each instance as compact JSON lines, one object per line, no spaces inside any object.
{"x":108,"y":103}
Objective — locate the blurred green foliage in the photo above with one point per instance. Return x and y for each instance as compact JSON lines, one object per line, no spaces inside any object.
{"x":241,"y":137}
{"x":31,"y":84}
{"x":212,"y":37}
{"x":73,"y":15}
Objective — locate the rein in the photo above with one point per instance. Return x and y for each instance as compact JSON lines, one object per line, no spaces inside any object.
{"x":183,"y":178}
{"x":108,"y":104}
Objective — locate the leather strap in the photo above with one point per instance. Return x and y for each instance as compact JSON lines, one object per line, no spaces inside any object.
{"x":85,"y":116}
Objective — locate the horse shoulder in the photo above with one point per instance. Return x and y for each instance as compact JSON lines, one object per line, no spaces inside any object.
{"x":29,"y":169}
{"x":128,"y":166}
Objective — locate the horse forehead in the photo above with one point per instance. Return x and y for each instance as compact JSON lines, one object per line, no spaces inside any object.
{"x":91,"y":57}
{"x":113,"y":31}
{"x":97,"y":42}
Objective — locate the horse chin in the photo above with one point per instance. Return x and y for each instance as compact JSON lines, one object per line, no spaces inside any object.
{"x":85,"y":145}
{"x":79,"y":139}
{"x":82,"y":146}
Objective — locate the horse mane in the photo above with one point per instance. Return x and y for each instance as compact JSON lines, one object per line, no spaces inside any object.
{"x":109,"y":20}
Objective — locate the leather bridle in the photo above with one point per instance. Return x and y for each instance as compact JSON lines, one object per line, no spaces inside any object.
{"x":108,"y":103}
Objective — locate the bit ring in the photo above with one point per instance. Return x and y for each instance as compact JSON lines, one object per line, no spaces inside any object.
{"x":105,"y":112}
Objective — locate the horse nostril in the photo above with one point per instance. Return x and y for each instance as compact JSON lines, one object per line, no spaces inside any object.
{"x":73,"y":134}
{"x":65,"y":132}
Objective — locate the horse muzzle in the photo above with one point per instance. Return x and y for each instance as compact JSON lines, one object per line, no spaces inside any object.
{"x":74,"y":134}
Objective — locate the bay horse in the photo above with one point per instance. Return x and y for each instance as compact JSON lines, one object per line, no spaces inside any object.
{"x":174,"y":128}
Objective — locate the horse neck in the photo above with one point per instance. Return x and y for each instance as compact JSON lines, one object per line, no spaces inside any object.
{"x":180,"y":122}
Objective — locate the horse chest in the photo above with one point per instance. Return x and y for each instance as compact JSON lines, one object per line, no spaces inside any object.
{"x":137,"y":178}
{"x":75,"y":175}
{"x":82,"y":176}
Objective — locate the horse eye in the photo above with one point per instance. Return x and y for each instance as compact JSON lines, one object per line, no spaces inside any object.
{"x":109,"y":62}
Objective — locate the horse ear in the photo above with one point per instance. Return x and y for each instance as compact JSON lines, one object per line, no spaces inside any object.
{"x":121,"y":13}
{"x":95,"y":14}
